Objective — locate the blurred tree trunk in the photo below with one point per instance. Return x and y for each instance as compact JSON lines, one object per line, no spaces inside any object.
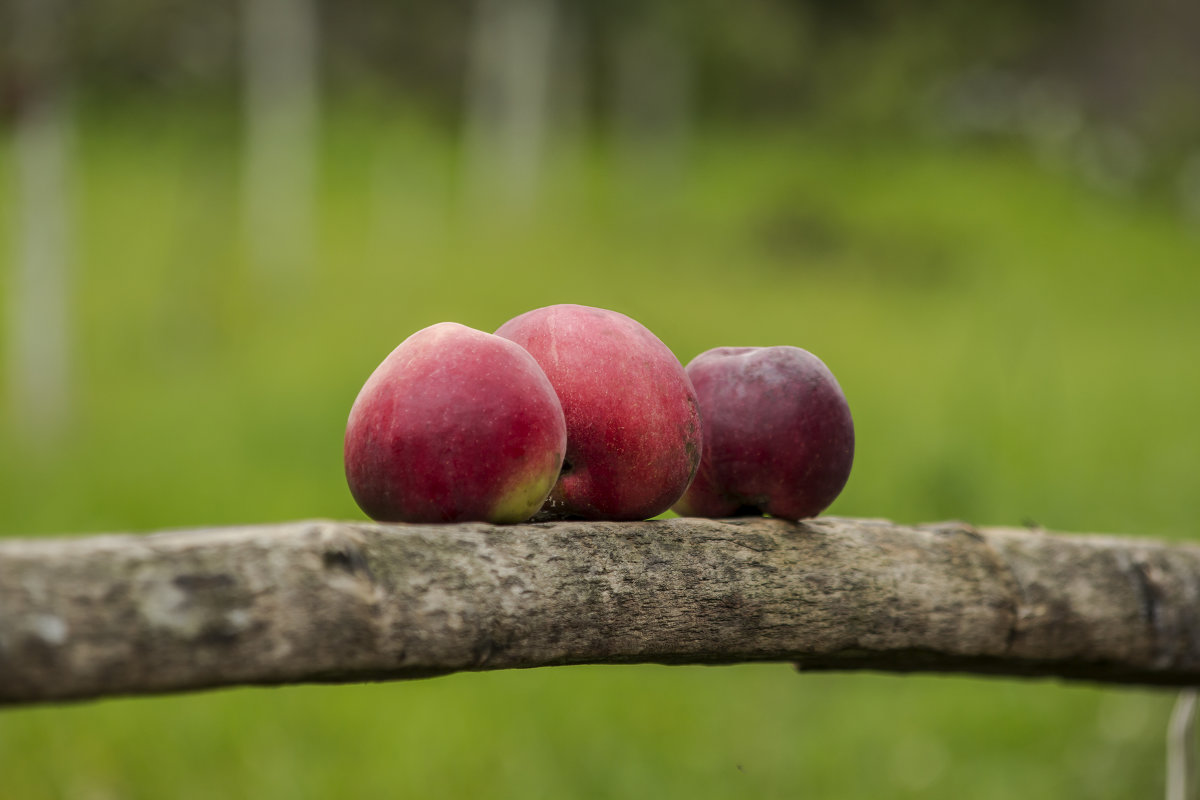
{"x":652,"y":99}
{"x":39,"y":357}
{"x":508,"y":102}
{"x":281,"y":110}
{"x":1126,"y":58}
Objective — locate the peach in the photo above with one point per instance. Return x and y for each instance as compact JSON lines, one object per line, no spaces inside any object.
{"x":633,"y":426}
{"x":454,"y":425}
{"x":778,"y":436}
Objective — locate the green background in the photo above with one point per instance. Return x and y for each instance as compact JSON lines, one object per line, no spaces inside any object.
{"x":1017,"y":348}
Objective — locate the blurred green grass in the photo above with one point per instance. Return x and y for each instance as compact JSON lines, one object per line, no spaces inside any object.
{"x":1015,"y":347}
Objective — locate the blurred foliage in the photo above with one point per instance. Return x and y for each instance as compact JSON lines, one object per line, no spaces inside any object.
{"x":1016,"y":348}
{"x":1105,"y":89}
{"x":908,"y":190}
{"x":771,"y":57}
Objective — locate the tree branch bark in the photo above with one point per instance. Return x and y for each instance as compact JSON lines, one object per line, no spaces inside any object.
{"x":323,"y":601}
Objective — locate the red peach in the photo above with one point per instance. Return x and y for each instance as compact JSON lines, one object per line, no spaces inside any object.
{"x":633,"y":427}
{"x":778,"y":436}
{"x":454,"y":425}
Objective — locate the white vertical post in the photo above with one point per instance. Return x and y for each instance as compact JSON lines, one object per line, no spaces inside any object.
{"x":38,"y":294}
{"x":508,"y":102}
{"x":1181,"y":748}
{"x":652,"y":97}
{"x":280,"y":151}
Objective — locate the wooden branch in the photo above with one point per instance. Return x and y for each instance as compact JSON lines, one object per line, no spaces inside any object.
{"x":339,"y":601}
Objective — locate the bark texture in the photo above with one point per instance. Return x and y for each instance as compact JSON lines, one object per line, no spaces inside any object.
{"x":340,"y":601}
